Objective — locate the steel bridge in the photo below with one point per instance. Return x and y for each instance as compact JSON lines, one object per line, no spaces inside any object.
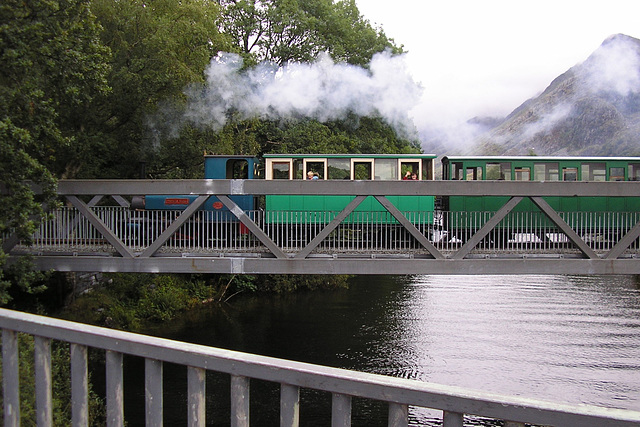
{"x":96,"y":230}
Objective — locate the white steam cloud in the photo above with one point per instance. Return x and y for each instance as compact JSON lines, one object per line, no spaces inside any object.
{"x":322,"y":90}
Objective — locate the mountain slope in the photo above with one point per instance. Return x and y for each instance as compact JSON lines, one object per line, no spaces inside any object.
{"x":592,"y":109}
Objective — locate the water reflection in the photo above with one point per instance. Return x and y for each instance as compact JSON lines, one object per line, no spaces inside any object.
{"x":568,"y":339}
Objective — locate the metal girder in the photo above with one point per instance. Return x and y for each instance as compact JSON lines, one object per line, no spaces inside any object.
{"x":340,"y":265}
{"x":564,"y":227}
{"x":330,"y":227}
{"x":410,"y":227}
{"x":174,"y":226}
{"x":487,"y":227}
{"x":349,"y":188}
{"x":244,"y":218}
{"x":101,"y":227}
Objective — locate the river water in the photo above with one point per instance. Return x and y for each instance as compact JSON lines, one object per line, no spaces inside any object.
{"x":573,"y":339}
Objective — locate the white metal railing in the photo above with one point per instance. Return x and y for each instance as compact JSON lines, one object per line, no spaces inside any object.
{"x":399,"y":393}
{"x":361,"y":232}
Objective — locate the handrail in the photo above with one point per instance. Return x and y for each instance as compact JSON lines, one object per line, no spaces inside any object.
{"x":399,"y":393}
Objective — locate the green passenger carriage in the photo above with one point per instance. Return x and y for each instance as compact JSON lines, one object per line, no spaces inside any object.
{"x":581,"y":213}
{"x":305,"y":208}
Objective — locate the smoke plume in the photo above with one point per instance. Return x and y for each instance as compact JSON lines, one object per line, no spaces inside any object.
{"x":322,"y":90}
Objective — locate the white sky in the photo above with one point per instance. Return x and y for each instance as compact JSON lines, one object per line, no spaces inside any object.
{"x":486,"y":57}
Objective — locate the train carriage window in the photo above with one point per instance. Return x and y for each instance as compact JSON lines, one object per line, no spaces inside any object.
{"x":386,"y":169}
{"x":362,"y":169}
{"x":338,"y":168}
{"x":474,"y":174}
{"x":458,"y":172}
{"x":594,"y":172}
{"x":569,"y":174}
{"x":281,"y":170}
{"x":410,"y":167}
{"x":546,"y":172}
{"x":427,"y":169}
{"x":317,"y":167}
{"x":499,"y":171}
{"x":522,"y":174}
{"x":298,"y":169}
{"x":616,"y":174}
{"x":634,"y":172}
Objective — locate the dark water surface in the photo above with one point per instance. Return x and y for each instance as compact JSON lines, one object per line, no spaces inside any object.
{"x":571,"y":339}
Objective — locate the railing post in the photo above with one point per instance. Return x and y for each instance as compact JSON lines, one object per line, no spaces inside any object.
{"x":153,"y":392}
{"x":289,"y":405}
{"x":398,"y":415}
{"x":115,"y":390}
{"x":452,"y":419}
{"x":196,"y":379}
{"x":239,"y":401}
{"x":10,"y":378}
{"x":44,"y":413}
{"x":341,"y":410}
{"x":79,"y":386}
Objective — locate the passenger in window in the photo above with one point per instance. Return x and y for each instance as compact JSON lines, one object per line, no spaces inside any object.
{"x":406,"y":176}
{"x":311,"y":175}
{"x":414,"y":176}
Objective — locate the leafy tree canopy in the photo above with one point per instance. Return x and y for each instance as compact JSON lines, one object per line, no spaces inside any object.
{"x":53,"y":65}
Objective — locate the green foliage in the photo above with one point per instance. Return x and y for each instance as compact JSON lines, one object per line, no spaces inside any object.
{"x":61,"y":392}
{"x":159,"y":48}
{"x":129,"y":301}
{"x":290,"y":283}
{"x":52,"y":66}
{"x":282,"y":31}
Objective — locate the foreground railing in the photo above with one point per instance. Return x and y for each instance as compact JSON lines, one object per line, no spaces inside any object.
{"x":400,"y":394}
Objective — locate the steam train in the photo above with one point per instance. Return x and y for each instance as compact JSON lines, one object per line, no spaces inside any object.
{"x":460,"y":220}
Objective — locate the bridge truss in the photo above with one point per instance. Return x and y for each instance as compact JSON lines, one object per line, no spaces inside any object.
{"x":96,"y":230}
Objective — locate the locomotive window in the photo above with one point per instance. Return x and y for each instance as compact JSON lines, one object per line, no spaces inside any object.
{"x":280,"y":170}
{"x":387,"y":169}
{"x":339,"y":168}
{"x":499,"y":171}
{"x":237,"y":169}
{"x":569,"y":174}
{"x":594,"y":172}
{"x":474,"y":174}
{"x":634,"y":172}
{"x":523,"y":174}
{"x":545,"y":172}
{"x":616,"y":174}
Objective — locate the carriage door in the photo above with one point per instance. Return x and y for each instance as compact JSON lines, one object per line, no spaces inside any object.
{"x":411,"y":166}
{"x":317,"y":166}
{"x":362,"y":169}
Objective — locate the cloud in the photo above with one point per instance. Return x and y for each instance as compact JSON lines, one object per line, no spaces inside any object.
{"x":322,"y":90}
{"x":613,"y":67}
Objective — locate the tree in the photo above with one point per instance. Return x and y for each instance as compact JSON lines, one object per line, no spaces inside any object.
{"x":282,"y":31}
{"x":52,"y":66}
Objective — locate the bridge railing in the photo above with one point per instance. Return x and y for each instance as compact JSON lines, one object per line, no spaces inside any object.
{"x":400,"y":394}
{"x":120,"y":239}
{"x":364,"y":232}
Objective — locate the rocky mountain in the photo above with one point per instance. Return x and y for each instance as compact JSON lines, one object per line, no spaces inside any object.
{"x":592,"y":109}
